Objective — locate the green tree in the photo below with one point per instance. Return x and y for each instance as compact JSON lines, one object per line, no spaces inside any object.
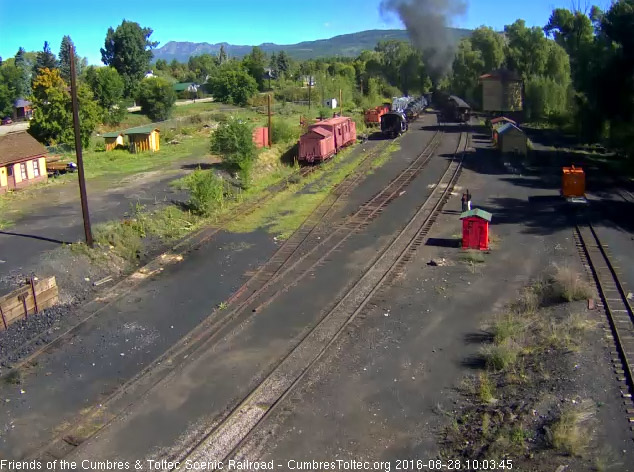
{"x":129,"y":50}
{"x":468,"y":65}
{"x":233,"y":142}
{"x":52,"y":121}
{"x":11,"y":83}
{"x":23,"y":85}
{"x":254,"y":64}
{"x":232,"y":84}
{"x":222,"y":55}
{"x":283,"y":64}
{"x":156,"y":97}
{"x":6,"y":100}
{"x":107,"y":87}
{"x":161,"y":64}
{"x":64,"y":58}
{"x":45,"y":60}
{"x":202,"y":66}
{"x":574,"y":32}
{"x":527,"y":49}
{"x":491,"y":47}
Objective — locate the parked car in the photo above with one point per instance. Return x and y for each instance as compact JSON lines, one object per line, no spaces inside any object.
{"x":7,"y":121}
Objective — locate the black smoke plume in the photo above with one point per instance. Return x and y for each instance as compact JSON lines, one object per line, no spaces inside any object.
{"x":427,"y":23}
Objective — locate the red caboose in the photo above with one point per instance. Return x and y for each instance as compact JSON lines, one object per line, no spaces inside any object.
{"x":475,"y":229}
{"x":342,"y":128}
{"x":325,"y":138}
{"x":318,"y":144}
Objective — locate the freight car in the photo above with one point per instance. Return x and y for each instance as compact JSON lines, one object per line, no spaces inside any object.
{"x":373,"y":115}
{"x":455,"y":109}
{"x":325,"y":138}
{"x":393,"y":124}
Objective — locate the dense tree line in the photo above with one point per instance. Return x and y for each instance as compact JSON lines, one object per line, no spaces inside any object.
{"x":577,"y":70}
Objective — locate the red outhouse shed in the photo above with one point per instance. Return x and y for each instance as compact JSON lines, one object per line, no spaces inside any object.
{"x":261,"y":137}
{"x":475,"y":229}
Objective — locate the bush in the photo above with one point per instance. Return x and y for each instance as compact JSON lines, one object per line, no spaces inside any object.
{"x":282,"y":131}
{"x":207,"y":192}
{"x":156,"y":98}
{"x":233,"y":142}
{"x":325,"y":113}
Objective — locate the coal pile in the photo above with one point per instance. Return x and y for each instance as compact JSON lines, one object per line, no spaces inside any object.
{"x":15,"y":342}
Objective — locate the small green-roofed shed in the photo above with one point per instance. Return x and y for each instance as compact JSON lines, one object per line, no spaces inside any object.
{"x":485,"y":215}
{"x":143,"y":138}
{"x":113,"y":140}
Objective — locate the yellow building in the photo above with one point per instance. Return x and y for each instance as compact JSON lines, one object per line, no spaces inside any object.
{"x":113,"y":140}
{"x":501,"y":91}
{"x":22,"y":161}
{"x":143,"y":138}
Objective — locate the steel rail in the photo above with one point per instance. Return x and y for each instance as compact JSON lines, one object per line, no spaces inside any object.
{"x":226,"y":436}
{"x":614,"y":297}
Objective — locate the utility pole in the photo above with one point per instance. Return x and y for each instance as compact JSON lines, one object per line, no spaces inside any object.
{"x":80,"y":160}
{"x":268,"y":100}
{"x":310,"y":87}
{"x":340,"y":103}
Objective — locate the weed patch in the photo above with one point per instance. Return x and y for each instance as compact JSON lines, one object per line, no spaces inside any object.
{"x":124,"y":237}
{"x":567,"y":285}
{"x":472,"y":256}
{"x":570,"y":433}
{"x":14,"y":377}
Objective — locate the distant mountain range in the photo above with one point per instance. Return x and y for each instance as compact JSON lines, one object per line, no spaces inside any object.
{"x":348,"y":45}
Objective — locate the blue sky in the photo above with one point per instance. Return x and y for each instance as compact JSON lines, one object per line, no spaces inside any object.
{"x":236,"y":22}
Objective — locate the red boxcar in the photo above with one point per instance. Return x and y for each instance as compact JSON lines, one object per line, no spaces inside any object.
{"x":318,"y":144}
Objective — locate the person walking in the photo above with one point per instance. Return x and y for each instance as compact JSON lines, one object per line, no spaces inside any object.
{"x":463,"y":200}
{"x":468,"y":200}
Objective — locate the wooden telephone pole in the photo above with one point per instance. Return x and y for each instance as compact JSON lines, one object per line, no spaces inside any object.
{"x":268,"y":100}
{"x":80,"y":160}
{"x":310,"y":87}
{"x":340,"y":103}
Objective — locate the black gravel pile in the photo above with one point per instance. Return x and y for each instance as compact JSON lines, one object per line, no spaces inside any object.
{"x":13,"y":342}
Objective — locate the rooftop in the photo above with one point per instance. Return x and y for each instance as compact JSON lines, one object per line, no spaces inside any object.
{"x":502,"y":74}
{"x":19,"y":146}
{"x":485,"y":215}
{"x":147,"y":129}
{"x":508,"y":127}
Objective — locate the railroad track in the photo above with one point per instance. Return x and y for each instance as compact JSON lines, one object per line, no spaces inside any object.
{"x":209,"y":330}
{"x":615,"y":304}
{"x":286,"y":268}
{"x":224,"y":439}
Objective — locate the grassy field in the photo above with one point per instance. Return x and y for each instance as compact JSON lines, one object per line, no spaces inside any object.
{"x":287,"y":210}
